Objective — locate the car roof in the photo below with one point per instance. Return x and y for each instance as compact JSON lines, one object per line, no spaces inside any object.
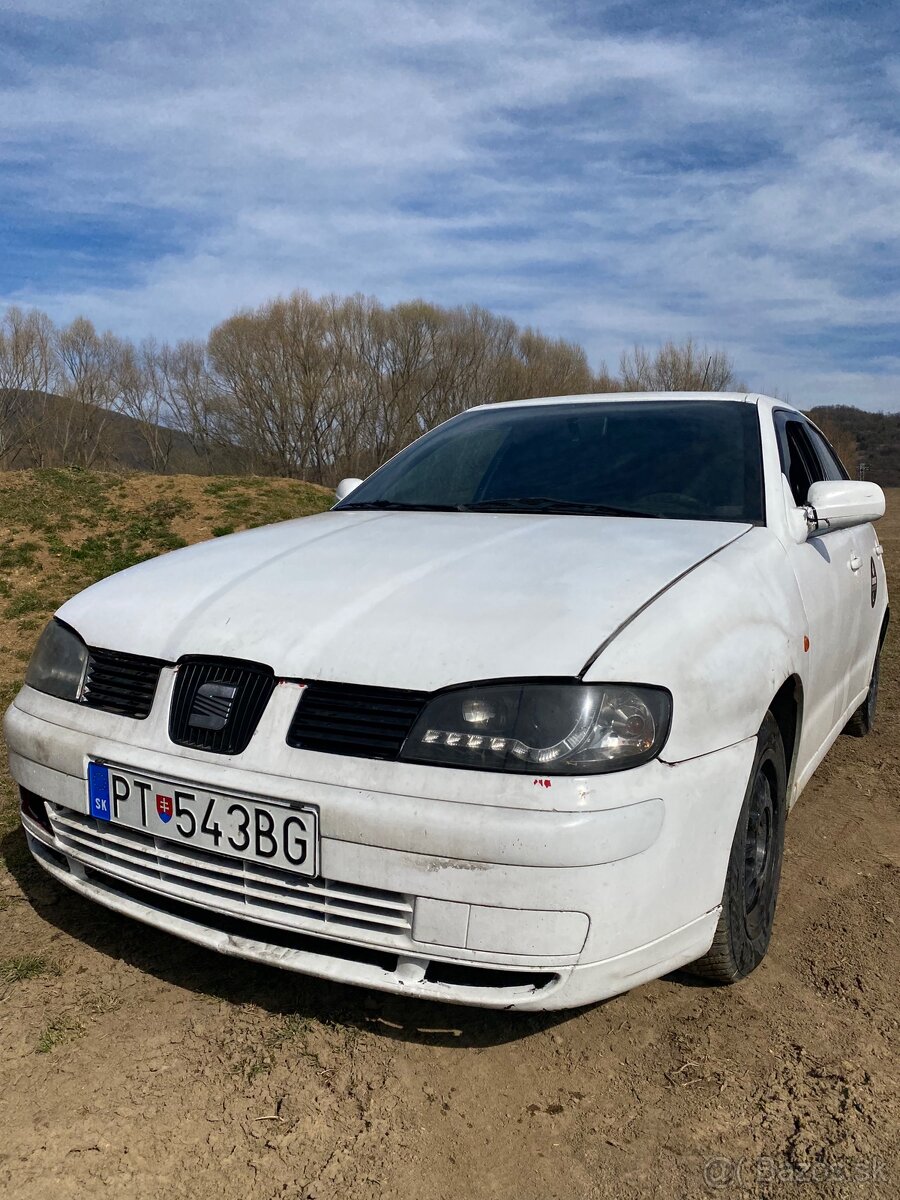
{"x":757,"y":398}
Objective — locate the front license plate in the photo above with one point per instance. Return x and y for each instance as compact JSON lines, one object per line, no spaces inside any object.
{"x":265,"y":832}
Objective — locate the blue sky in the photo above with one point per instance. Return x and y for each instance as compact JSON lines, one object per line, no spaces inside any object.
{"x":611,"y":172}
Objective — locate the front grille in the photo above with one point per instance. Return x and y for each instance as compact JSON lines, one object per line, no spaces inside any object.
{"x":367,"y":722}
{"x":236,"y":886}
{"x":222,"y":719}
{"x":121,"y":683}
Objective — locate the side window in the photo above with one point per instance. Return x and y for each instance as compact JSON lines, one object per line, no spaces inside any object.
{"x":832,"y":466}
{"x":799,"y":461}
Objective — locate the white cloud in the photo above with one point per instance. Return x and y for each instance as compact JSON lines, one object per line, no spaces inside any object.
{"x":607,"y":186}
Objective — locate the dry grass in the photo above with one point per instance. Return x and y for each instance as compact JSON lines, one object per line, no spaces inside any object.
{"x":26,"y":966}
{"x":62,"y":530}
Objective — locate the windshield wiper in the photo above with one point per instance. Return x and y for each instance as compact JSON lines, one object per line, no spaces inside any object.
{"x":397,"y":506}
{"x":546,"y":504}
{"x":517,"y":504}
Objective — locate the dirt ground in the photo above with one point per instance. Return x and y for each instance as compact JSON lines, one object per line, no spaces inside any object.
{"x":133,"y":1065}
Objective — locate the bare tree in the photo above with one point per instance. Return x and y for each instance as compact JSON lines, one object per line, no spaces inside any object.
{"x":301,"y":387}
{"x":90,"y":383}
{"x":678,"y":368}
{"x":552,"y":366}
{"x":144,"y":397}
{"x":602,"y":381}
{"x":192,"y":397}
{"x":355,"y":327}
{"x":274,"y":366}
{"x":26,"y":364}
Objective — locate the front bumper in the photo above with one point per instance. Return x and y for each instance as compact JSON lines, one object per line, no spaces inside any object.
{"x":512,"y":904}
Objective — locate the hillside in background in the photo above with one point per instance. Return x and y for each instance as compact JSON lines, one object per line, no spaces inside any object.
{"x":122,"y":442}
{"x":322,"y":388}
{"x":299,"y":387}
{"x":61,"y":530}
{"x":51,"y":431}
{"x":877,"y":437}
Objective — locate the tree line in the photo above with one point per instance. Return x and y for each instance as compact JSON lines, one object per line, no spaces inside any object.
{"x":303,"y":387}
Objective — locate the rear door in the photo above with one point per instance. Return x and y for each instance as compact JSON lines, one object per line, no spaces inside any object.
{"x":828,"y":567}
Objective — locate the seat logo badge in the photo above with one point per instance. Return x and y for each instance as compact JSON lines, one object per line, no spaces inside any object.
{"x":212,"y":706}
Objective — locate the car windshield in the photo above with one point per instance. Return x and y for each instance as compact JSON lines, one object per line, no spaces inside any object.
{"x":684,"y":459}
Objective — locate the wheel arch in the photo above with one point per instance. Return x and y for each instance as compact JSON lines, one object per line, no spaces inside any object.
{"x":786,"y":706}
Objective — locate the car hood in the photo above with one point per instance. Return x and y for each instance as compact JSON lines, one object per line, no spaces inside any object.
{"x":416,"y":600}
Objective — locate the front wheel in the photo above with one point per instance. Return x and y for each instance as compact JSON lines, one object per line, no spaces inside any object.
{"x":754,"y":867}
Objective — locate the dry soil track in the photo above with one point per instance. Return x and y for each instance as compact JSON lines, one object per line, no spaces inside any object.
{"x":133,"y":1065}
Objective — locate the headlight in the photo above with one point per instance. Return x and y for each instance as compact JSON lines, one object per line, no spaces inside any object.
{"x":58,"y":663}
{"x":542,"y":728}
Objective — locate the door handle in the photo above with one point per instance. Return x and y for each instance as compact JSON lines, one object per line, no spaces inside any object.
{"x":855,"y":562}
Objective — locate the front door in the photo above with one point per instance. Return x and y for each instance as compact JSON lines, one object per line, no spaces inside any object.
{"x":870,"y":592}
{"x":830,"y":576}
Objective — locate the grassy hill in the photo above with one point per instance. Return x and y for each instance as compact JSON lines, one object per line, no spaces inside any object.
{"x":116,"y":438}
{"x":61,"y":530}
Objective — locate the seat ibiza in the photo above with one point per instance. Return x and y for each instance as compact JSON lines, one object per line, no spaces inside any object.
{"x":517,"y":723}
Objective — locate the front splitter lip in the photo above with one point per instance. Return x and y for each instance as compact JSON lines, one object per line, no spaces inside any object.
{"x":570,"y":987}
{"x":407,"y":978}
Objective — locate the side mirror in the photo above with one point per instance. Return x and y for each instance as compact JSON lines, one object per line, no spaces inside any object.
{"x":840,"y":503}
{"x":346,"y":486}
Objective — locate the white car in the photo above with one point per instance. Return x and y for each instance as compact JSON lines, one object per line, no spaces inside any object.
{"x":516,"y":724}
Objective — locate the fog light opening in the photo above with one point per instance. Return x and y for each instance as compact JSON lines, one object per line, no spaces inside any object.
{"x":35,"y":809}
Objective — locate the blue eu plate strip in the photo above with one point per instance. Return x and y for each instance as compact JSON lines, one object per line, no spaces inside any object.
{"x":98,"y":791}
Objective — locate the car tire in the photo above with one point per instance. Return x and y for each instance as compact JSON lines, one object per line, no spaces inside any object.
{"x":754,"y":867}
{"x":863,"y":719}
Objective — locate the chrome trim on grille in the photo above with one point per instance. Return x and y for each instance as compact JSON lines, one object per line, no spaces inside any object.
{"x":237,"y":886}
